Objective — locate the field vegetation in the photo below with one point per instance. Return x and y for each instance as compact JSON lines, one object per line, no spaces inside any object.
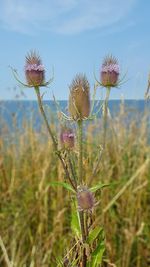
{"x":38,"y":224}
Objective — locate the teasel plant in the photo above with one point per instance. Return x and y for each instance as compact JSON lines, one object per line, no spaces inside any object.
{"x":88,"y":240}
{"x":109,"y":78}
{"x":92,"y":239}
{"x":79,"y":109}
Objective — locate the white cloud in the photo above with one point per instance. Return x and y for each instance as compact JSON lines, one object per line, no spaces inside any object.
{"x":61,"y":16}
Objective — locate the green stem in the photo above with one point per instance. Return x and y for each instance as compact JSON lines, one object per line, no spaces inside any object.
{"x":80,"y":141}
{"x":82,"y":224}
{"x":72,"y":169}
{"x":80,"y":176}
{"x":54,"y":140}
{"x":45,"y":118}
{"x":105,"y":115}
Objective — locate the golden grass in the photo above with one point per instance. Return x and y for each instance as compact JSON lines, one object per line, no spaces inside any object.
{"x":35,"y":217}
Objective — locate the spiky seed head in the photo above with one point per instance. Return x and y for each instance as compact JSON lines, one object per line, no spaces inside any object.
{"x":67,"y":138}
{"x":85,"y":198}
{"x":109,"y":73}
{"x":34,"y":70}
{"x":79,"y":99}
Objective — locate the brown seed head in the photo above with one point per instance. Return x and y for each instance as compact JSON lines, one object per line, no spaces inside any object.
{"x":85,"y":198}
{"x":79,"y":99}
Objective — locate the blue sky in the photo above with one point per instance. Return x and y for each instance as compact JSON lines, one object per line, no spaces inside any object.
{"x":74,"y":36}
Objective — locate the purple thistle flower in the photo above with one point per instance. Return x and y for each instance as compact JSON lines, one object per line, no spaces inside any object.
{"x":31,"y":67}
{"x":67,"y":138}
{"x":109,"y":72}
{"x":34,"y":70}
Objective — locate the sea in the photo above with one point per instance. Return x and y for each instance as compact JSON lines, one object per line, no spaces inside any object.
{"x":17,"y":111}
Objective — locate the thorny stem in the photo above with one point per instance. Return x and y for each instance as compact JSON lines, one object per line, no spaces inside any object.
{"x":72,"y":168}
{"x":45,"y":118}
{"x":80,"y":168}
{"x":84,"y":257}
{"x":86,"y":224}
{"x":96,"y":166}
{"x":105,"y":116}
{"x":80,"y":159}
{"x":104,"y":134}
{"x":52,"y":137}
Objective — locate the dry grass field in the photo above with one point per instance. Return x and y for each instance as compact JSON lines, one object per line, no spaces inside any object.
{"x":36,"y":228}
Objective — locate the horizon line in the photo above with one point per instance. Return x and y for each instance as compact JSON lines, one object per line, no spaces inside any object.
{"x":51,"y":100}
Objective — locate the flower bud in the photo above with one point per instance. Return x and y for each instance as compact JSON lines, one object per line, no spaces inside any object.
{"x":34,"y":70}
{"x":79,"y":99}
{"x":109,"y":72}
{"x":85,"y":198}
{"x":67,"y":138}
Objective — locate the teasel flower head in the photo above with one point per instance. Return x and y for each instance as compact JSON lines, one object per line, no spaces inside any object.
{"x":109,"y":73}
{"x":79,"y":99}
{"x":34,"y":70}
{"x":67,"y":138}
{"x":85,"y":199}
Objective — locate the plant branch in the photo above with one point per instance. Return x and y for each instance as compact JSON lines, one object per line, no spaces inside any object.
{"x":105,"y":116}
{"x":54,"y":140}
{"x":80,"y":168}
{"x":71,"y":166}
{"x":80,"y":159}
{"x":96,"y":166}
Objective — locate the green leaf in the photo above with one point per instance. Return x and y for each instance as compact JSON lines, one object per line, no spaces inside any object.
{"x":63,"y":184}
{"x":94,"y":234}
{"x":75,"y":224}
{"x":97,"y":254}
{"x":98,"y":186}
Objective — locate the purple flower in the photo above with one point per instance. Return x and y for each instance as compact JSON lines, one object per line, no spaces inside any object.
{"x":67,"y":138}
{"x":31,"y":67}
{"x":110,"y":71}
{"x":34,"y":70}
